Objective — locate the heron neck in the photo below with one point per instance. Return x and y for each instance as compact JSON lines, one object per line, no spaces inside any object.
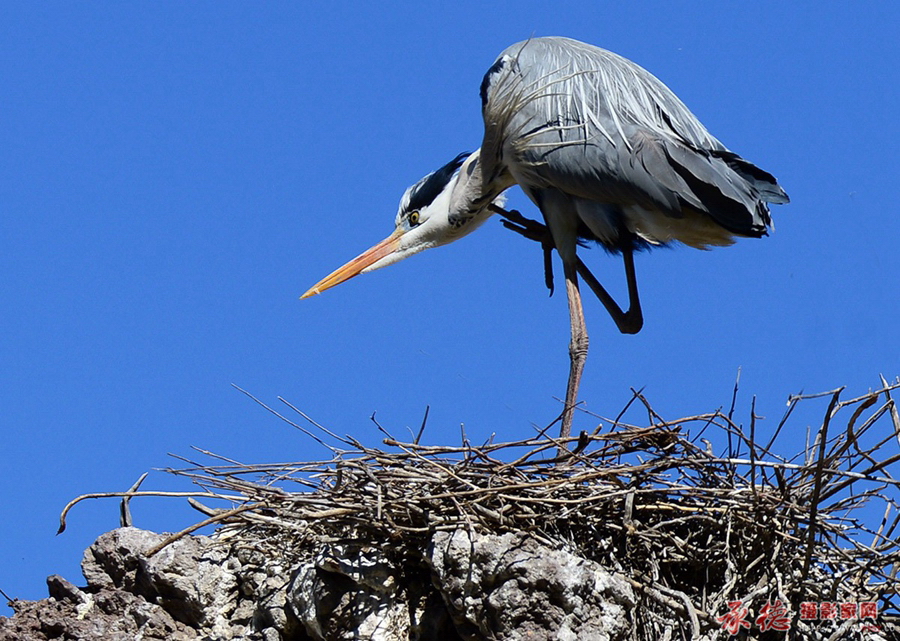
{"x":471,"y":195}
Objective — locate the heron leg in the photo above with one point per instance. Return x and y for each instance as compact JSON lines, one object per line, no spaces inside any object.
{"x":634,"y":316}
{"x":629,"y":322}
{"x":578,"y":347}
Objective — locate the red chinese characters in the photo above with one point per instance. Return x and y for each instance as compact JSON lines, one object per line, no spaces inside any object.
{"x":735,"y":618}
{"x":773,"y":616}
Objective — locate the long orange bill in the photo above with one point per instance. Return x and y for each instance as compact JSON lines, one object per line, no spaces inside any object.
{"x":355,"y":266}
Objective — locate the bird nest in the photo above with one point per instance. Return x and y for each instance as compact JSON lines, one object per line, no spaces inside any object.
{"x":703,"y":537}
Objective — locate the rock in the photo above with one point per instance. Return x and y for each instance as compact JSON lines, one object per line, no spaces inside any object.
{"x":510,"y":587}
{"x":188,"y":578}
{"x":62,"y":590}
{"x":113,"y":561}
{"x":455,"y":588}
{"x":350,"y":592}
{"x":113,"y":616}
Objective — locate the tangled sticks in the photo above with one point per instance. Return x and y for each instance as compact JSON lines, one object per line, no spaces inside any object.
{"x":691,"y":531}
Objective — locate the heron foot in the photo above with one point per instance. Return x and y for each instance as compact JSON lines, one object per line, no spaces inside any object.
{"x":532,"y":230}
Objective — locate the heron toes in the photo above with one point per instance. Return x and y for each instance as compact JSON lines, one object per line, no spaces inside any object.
{"x":530,"y":229}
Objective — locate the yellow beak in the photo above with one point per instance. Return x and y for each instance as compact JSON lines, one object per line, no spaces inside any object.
{"x":357,"y":265}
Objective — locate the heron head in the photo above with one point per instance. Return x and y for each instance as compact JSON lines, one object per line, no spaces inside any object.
{"x":435,"y":211}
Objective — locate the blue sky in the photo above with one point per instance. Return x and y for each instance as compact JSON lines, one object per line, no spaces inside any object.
{"x":174,"y":175}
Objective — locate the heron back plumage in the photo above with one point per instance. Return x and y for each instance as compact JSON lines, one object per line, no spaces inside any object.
{"x":637,"y":165}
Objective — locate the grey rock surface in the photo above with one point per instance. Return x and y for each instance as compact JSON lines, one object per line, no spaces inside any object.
{"x":350,"y":592}
{"x":510,"y":587}
{"x":490,"y":587}
{"x":108,"y":615}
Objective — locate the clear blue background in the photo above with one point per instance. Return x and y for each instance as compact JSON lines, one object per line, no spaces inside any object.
{"x":174,"y":175}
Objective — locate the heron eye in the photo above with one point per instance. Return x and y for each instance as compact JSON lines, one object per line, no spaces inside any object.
{"x":413,"y":219}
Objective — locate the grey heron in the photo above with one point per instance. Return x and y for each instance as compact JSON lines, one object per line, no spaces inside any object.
{"x":607,"y":152}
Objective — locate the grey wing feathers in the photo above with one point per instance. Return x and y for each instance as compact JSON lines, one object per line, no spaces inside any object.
{"x":563,"y":114}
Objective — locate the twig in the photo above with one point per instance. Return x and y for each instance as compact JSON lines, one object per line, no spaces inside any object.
{"x":817,"y":487}
{"x":107,"y":495}
{"x":124,"y":510}
{"x":422,"y":429}
{"x":213,"y":519}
